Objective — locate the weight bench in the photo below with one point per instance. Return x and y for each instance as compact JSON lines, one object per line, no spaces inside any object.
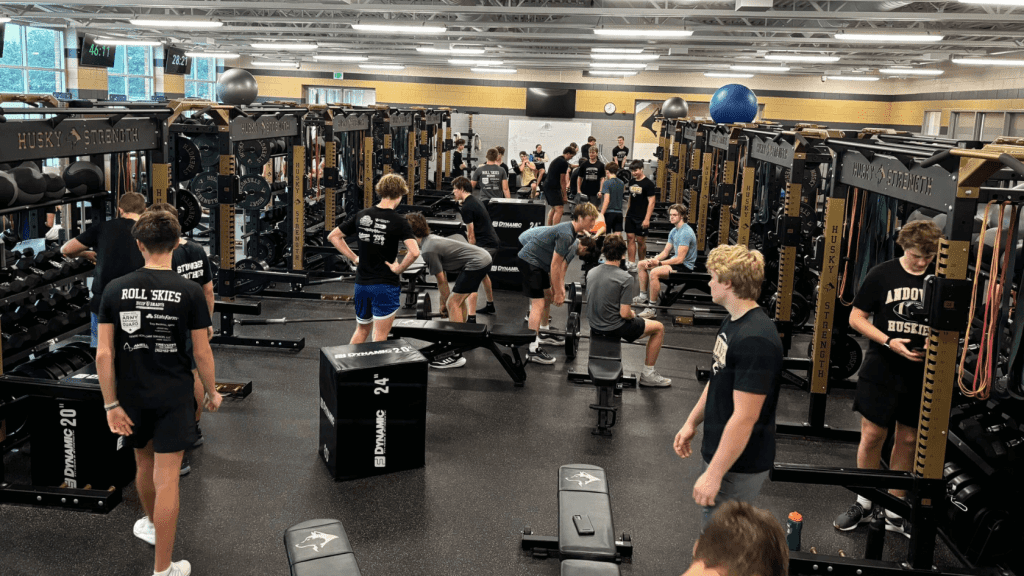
{"x":585,"y":528}
{"x":451,"y":338}
{"x":604,"y":370}
{"x":589,"y":568}
{"x":678,"y":283}
{"x":319,"y":548}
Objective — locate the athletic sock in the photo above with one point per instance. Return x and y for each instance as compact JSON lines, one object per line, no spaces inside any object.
{"x":864,"y":503}
{"x":164,"y":573}
{"x":471,"y":319}
{"x":648,"y":369}
{"x":644,"y":295}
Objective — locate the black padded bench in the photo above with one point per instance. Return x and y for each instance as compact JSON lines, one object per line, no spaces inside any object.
{"x":582,"y":500}
{"x":319,"y":548}
{"x":451,"y":338}
{"x":589,"y":568}
{"x":604,"y":370}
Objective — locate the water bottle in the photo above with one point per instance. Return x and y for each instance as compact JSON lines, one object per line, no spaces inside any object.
{"x":794,"y":524}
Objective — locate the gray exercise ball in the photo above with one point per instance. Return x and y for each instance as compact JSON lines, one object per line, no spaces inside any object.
{"x":237,"y":87}
{"x":674,"y":107}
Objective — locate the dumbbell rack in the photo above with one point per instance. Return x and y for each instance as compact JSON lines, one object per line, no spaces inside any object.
{"x":31,"y":295}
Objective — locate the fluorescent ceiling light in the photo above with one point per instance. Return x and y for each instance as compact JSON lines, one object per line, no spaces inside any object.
{"x":618,"y":50}
{"x":726,"y":75}
{"x":888,"y":38}
{"x":283,"y":46}
{"x":494,"y":70}
{"x":995,"y":2}
{"x":618,"y":65}
{"x":756,"y":68}
{"x":412,"y":29}
{"x":176,"y":23}
{"x":464,"y":62}
{"x":4,"y":19}
{"x":599,"y":56}
{"x":459,"y":51}
{"x":800,"y":58}
{"x":854,"y":78}
{"x":617,"y":73}
{"x":382,"y":67}
{"x":225,"y":55}
{"x":330,"y":58}
{"x":118,"y":42}
{"x":275,"y":63}
{"x":913,"y":71}
{"x":988,"y":61}
{"x":643,"y":32}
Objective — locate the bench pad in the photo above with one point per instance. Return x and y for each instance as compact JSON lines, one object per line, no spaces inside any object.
{"x":319,"y":548}
{"x":583,"y":489}
{"x":589,"y":568}
{"x":434,"y":331}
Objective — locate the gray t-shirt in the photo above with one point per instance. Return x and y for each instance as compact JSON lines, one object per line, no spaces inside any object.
{"x":452,"y":254}
{"x":541,"y":242}
{"x":608,"y":287}
{"x":489,"y":178}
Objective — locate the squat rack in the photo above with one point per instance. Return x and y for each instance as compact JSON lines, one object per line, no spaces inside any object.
{"x":952,"y":182}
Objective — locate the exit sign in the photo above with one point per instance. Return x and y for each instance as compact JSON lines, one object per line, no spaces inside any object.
{"x":339,"y":75}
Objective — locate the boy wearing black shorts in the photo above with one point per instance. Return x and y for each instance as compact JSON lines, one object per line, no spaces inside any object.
{"x":642,"y":196}
{"x":378,"y":292}
{"x":145,"y":376}
{"x":609,"y":311}
{"x":556,"y":185}
{"x":610,"y":198}
{"x":891,"y":378}
{"x":480,"y":232}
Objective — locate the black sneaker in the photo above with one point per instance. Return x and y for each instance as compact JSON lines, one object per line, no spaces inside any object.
{"x":186,"y":467}
{"x":897,"y":525}
{"x":852,"y":518}
{"x":489,"y":309}
{"x":450,"y":362}
{"x":539,"y":356}
{"x":199,"y":441}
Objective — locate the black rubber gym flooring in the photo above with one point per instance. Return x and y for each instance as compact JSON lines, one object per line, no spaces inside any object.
{"x":493,"y":453}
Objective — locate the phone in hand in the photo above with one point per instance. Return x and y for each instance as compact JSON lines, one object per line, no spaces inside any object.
{"x":531,"y":157}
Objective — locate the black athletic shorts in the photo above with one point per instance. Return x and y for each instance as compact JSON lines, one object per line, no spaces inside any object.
{"x":469,"y":281}
{"x":535,"y":280}
{"x":188,"y":350}
{"x":634,"y":226}
{"x":630,"y":331}
{"x":897,"y":399}
{"x":554,"y":198}
{"x":171,"y":429}
{"x":613,"y":221}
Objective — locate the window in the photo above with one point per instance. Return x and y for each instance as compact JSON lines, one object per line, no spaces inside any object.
{"x":353,"y":96}
{"x":962,"y":125}
{"x":33,"y":61}
{"x":132,"y":73}
{"x":932,"y":124}
{"x":323,"y":95}
{"x":359,"y":97}
{"x":201,"y":82}
{"x":992,"y":125}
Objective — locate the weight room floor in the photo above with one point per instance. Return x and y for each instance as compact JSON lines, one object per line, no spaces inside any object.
{"x":493,"y":453}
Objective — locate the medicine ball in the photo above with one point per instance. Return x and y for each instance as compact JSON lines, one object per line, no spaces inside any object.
{"x":675,"y":107}
{"x":54,"y":187}
{"x":733,"y":103}
{"x":8,"y":190}
{"x":237,"y":87}
{"x":31,"y":183}
{"x":82,"y":178}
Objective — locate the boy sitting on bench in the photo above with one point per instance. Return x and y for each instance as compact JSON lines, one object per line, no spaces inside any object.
{"x":683,"y":242}
{"x":609,"y":291}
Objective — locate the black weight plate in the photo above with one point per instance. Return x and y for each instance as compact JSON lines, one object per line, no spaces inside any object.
{"x":801,"y":312}
{"x":251,"y":285}
{"x":572,"y":335}
{"x":424,"y":307}
{"x":253,"y":154}
{"x":950,"y":470}
{"x":186,"y":162}
{"x":209,"y":149}
{"x":255,"y":192}
{"x":846,"y":357}
{"x":808,"y":219}
{"x":204,"y":186}
{"x":189,"y":210}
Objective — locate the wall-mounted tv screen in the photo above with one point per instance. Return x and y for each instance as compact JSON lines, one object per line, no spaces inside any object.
{"x":92,"y":55}
{"x":551,"y":102}
{"x":175,"y":61}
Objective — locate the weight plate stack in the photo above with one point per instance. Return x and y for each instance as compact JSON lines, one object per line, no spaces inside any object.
{"x":204,"y":186}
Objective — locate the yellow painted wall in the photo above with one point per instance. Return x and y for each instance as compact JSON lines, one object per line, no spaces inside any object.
{"x":92,"y":78}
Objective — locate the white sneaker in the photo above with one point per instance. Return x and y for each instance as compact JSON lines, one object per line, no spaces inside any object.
{"x":640,"y":300}
{"x":648,"y":313}
{"x":145,"y":531}
{"x":450,"y":362}
{"x":552,"y":340}
{"x":654,"y":380}
{"x":179,"y":568}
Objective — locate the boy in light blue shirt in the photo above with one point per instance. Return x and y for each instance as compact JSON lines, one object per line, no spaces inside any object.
{"x":679,"y":255}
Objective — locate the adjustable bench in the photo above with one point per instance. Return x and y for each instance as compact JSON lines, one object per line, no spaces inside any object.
{"x":583,"y":503}
{"x":589,"y":568}
{"x":451,"y":338}
{"x":604,"y":370}
{"x":319,"y":548}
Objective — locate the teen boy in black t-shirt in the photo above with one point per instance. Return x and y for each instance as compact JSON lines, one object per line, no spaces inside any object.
{"x":556,"y":185}
{"x":459,"y":166}
{"x":891,"y":378}
{"x":591,"y":176}
{"x":378,"y":274}
{"x":620,"y":152}
{"x":738,"y":403}
{"x":480,"y":232}
{"x":145,"y":317}
{"x":642,"y":194}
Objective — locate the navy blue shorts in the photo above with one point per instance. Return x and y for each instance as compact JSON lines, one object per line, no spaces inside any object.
{"x":376,"y":301}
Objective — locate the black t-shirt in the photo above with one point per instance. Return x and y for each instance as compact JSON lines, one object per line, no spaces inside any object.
{"x":585,"y":151}
{"x":191,"y":262}
{"x":748,"y":358}
{"x":473,"y":212}
{"x":456,"y":163}
{"x":591,"y":172}
{"x":380,"y":232}
{"x":553,"y":177}
{"x":620,"y":154}
{"x":117,"y":254}
{"x":573,"y":184}
{"x":891,"y":294}
{"x":538,"y":160}
{"x":153,"y":312}
{"x":638,"y":192}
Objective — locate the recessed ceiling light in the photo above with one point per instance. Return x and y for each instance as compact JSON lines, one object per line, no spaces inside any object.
{"x":618,"y":65}
{"x":494,"y":70}
{"x":891,"y":38}
{"x":459,"y":51}
{"x":911,"y":71}
{"x":283,"y":46}
{"x":467,"y":62}
{"x":119,"y":42}
{"x":800,"y":58}
{"x":988,"y":61}
{"x":643,"y":32}
{"x":616,"y":73}
{"x":176,"y":23}
{"x":410,"y":29}
{"x":756,"y":68}
{"x":618,"y":50}
{"x":382,"y":67}
{"x":854,"y":78}
{"x":333,"y":58}
{"x":275,"y":63}
{"x":727,"y":75}
{"x":634,"y":57}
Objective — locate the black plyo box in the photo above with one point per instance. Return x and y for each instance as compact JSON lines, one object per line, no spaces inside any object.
{"x":512,"y":216}
{"x":373,"y":408}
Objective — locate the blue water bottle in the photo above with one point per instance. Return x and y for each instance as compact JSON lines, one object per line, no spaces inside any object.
{"x":794,"y":524}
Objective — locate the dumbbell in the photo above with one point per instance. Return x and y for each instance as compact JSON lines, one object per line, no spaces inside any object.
{"x":45,"y":312}
{"x":27,"y":266}
{"x":32,"y":325}
{"x":76,"y":304}
{"x":14,"y":335}
{"x":48,"y":260}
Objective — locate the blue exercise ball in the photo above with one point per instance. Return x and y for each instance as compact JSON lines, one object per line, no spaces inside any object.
{"x":237,"y":87}
{"x":733,"y":103}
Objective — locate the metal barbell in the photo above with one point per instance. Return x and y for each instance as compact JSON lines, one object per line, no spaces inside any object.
{"x":424,"y":311}
{"x":572,"y":336}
